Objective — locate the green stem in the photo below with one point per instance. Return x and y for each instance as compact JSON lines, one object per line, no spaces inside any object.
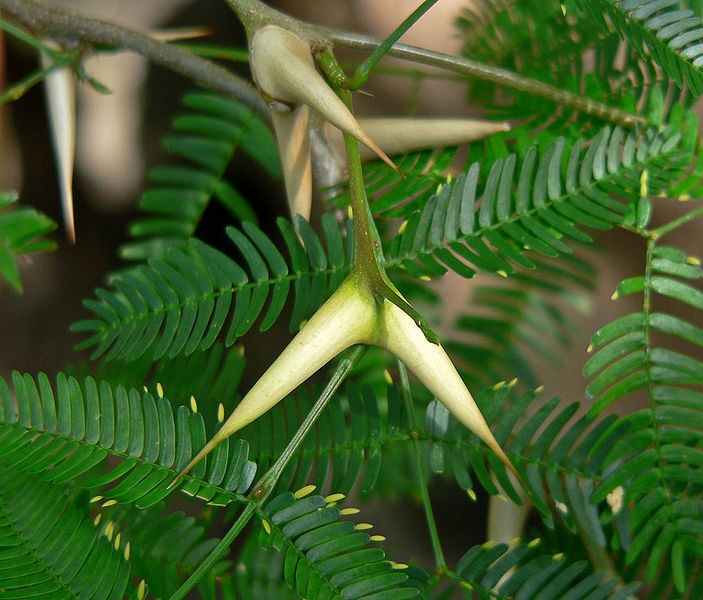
{"x":29,"y":39}
{"x":490,"y":73}
{"x":217,"y":552}
{"x":406,"y":394}
{"x":363,"y":71}
{"x":20,"y":88}
{"x":348,"y":361}
{"x":263,"y":488}
{"x":369,"y":262}
{"x":655,"y":234}
{"x":368,"y":251}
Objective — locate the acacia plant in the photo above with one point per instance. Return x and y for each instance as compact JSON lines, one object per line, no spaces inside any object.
{"x":589,"y":126}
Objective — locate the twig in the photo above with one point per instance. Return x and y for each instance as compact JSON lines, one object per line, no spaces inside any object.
{"x":58,"y":23}
{"x":496,"y":75}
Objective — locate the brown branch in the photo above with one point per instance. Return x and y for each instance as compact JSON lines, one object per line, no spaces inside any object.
{"x":56,"y":23}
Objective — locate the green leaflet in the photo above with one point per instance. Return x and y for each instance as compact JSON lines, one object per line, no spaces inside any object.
{"x":327,"y":556}
{"x":195,"y":289}
{"x":545,"y":203}
{"x":64,"y":430}
{"x":37,"y":521}
{"x":21,"y":232}
{"x":514,"y":320}
{"x":659,"y":450}
{"x":184,"y":301}
{"x":671,"y":35}
{"x":523,"y":572}
{"x":207,"y":138}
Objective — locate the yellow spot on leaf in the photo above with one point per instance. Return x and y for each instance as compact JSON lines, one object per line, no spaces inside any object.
{"x":471,"y":494}
{"x":118,"y":540}
{"x":693,"y":260}
{"x":334,"y":498}
{"x":96,"y":499}
{"x":378,"y":538}
{"x":159,"y":390}
{"x":644,"y":188}
{"x":305,"y":491}
{"x":363,"y":526}
{"x":141,"y":590}
{"x":266,"y":525}
{"x":533,"y":543}
{"x":220,"y":413}
{"x":193,"y":404}
{"x":109,"y":503}
{"x":402,"y":227}
{"x":127,"y":550}
{"x":498,"y":385}
{"x":349,"y":511}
